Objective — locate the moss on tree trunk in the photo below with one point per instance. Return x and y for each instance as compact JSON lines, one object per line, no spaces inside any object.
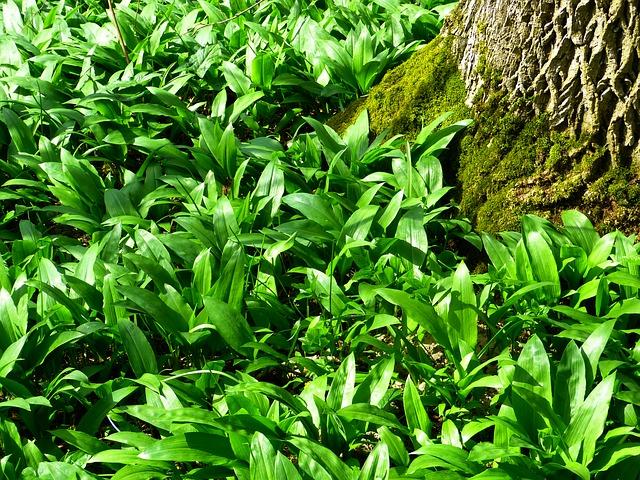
{"x":531,"y":150}
{"x":425,"y":86}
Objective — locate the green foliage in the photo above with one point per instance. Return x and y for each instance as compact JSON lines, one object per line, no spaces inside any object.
{"x":201,"y":279}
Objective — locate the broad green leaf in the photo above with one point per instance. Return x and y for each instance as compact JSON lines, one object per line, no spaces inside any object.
{"x":331,"y":142}
{"x":210,"y":133}
{"x":499,"y":255}
{"x":55,"y":470}
{"x":110,"y":295}
{"x":533,"y":373}
{"x":614,"y":455}
{"x":262,"y":70}
{"x":165,"y":418}
{"x":375,"y":385}
{"x":118,"y":204}
{"x":85,"y":270}
{"x":369,"y":195}
{"x":601,"y":250}
{"x":431,"y":170}
{"x":4,"y":275}
{"x":580,"y":230}
{"x":25,"y":404}
{"x":246,"y":424}
{"x":327,"y":291}
{"x":229,"y":287}
{"x":524,"y":269}
{"x":92,"y":420}
{"x":192,"y":447}
{"x":628,"y":306}
{"x":225,"y":224}
{"x":474,"y":427}
{"x":411,"y":230}
{"x":369,"y":413}
{"x":514,"y":299}
{"x":241,"y":105}
{"x":325,"y":457}
{"x":314,"y":207}
{"x":11,"y":355}
{"x":277,"y":393}
{"x":588,"y":423}
{"x":51,"y":296}
{"x":602,"y":297}
{"x":226,"y":151}
{"x":450,"y":435}
{"x":570,"y":382}
{"x":440,"y":140}
{"x":139,"y":472}
{"x":84,"y":442}
{"x":391,"y":212}
{"x":357,"y":135}
{"x":343,"y":385}
{"x":543,"y":263}
{"x":236,"y":79}
{"x":229,"y":323}
{"x":625,"y":253}
{"x":420,"y":312}
{"x":10,"y":55}
{"x":578,"y":469}
{"x":12,"y":326}
{"x":443,"y":456}
{"x":414,"y":410}
{"x":376,"y":467}
{"x":263,"y":459}
{"x":139,"y":351}
{"x":270,"y":189}
{"x":487,"y":452}
{"x":464,"y":304}
{"x":506,"y":425}
{"x":159,"y":311}
{"x":20,"y":134}
{"x":535,"y":369}
{"x":150,"y":246}
{"x":160,"y":275}
{"x":593,"y":347}
{"x":579,"y":315}
{"x":11,"y":18}
{"x":286,"y":469}
{"x":624,"y":278}
{"x":397,"y":450}
{"x":359,"y":223}
{"x":523,"y":395}
{"x":202,"y":272}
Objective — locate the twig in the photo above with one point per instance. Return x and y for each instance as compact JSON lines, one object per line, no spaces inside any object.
{"x":112,"y":14}
{"x":236,"y":15}
{"x":240,"y":13}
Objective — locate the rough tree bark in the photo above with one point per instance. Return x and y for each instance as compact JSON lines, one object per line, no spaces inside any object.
{"x":578,"y":60}
{"x":554,"y":88}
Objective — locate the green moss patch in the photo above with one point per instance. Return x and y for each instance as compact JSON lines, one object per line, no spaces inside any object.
{"x":413,"y":94}
{"x":510,"y":162}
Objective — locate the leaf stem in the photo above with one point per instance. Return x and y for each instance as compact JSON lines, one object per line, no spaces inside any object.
{"x":112,"y":14}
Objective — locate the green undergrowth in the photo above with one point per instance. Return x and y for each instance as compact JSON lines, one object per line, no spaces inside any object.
{"x":200,"y":280}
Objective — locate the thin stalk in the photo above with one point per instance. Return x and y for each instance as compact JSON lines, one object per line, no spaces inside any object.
{"x":112,"y":14}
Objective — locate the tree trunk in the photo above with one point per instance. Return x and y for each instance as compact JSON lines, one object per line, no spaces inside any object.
{"x":553,"y":86}
{"x":578,"y":60}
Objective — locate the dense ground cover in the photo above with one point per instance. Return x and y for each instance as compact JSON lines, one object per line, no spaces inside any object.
{"x":200,"y":279}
